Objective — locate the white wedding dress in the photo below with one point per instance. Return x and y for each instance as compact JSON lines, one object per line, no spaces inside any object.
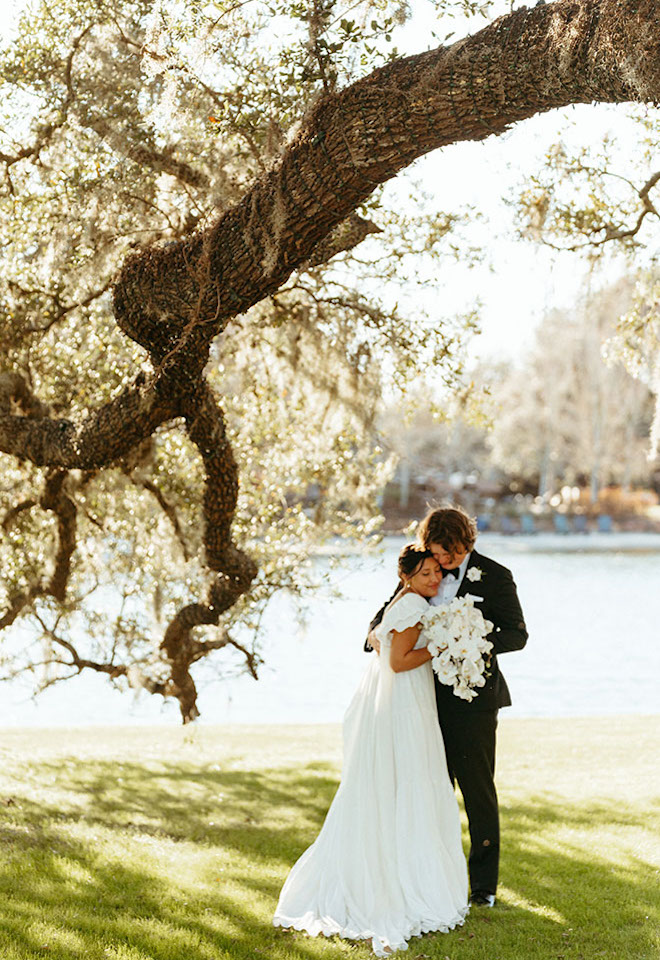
{"x":388,"y":863}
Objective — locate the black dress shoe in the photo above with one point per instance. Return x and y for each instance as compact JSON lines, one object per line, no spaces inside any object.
{"x":483,"y":899}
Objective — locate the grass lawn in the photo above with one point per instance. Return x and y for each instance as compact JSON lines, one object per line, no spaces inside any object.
{"x":169,"y":844}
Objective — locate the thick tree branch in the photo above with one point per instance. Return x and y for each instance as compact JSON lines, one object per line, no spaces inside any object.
{"x":583,"y":50}
{"x":55,"y":499}
{"x":235,"y":569}
{"x":101,"y":438}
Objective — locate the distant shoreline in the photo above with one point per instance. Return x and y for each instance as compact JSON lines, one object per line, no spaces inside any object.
{"x":626,"y":542}
{"x":618,"y":541}
{"x":302,"y":728}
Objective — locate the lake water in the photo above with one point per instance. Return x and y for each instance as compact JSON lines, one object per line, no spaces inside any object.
{"x":592,"y":606}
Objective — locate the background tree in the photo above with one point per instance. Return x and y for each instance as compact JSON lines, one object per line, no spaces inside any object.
{"x":601,"y":201}
{"x":562,"y":415}
{"x":236,"y":150}
{"x":559,"y":415}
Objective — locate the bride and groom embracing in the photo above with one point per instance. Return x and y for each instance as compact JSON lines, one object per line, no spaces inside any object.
{"x":388,"y":863}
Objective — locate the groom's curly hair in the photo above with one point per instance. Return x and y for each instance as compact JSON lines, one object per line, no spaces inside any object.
{"x":451,"y":527}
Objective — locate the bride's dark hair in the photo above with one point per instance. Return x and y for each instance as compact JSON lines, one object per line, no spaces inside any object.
{"x":411,"y":558}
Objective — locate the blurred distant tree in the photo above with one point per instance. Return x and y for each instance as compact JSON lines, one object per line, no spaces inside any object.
{"x":439,"y":444}
{"x":563,"y":416}
{"x":600,"y":200}
{"x":183,"y":190}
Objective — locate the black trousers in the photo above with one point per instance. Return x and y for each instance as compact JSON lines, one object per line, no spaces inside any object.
{"x":470,"y":748}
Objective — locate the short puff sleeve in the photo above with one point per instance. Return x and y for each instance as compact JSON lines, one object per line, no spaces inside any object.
{"x":405,"y":612}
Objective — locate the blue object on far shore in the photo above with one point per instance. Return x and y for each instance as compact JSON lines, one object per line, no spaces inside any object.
{"x":527,"y":524}
{"x":560,"y":521}
{"x":507,"y":525}
{"x":580,"y":523}
{"x":604,"y":523}
{"x":483,"y":522}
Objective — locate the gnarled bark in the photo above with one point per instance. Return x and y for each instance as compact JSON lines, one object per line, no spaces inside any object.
{"x":531,"y":61}
{"x":57,"y":499}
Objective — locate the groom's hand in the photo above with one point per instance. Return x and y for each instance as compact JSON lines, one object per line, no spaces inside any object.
{"x":374,"y":641}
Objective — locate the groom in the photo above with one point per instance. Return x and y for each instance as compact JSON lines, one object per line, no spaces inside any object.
{"x":468,"y":727}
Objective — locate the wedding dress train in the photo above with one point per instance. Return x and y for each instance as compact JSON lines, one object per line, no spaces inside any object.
{"x":388,"y":863}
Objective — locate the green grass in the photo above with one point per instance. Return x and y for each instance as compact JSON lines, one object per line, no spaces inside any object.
{"x":172,"y":845}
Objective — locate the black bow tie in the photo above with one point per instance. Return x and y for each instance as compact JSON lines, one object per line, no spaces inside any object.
{"x":451,"y":573}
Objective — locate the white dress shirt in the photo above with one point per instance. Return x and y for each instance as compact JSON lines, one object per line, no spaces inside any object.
{"x":449,"y":586}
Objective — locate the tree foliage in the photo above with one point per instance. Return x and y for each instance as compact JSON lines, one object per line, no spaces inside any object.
{"x":140,"y":122}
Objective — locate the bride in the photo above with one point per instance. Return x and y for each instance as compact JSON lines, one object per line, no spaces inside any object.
{"x":388,"y":863}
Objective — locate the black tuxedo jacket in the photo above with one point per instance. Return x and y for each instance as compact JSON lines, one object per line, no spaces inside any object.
{"x":499,"y":604}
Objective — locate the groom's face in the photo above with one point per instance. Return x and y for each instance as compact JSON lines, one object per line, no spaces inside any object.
{"x":448,"y":558}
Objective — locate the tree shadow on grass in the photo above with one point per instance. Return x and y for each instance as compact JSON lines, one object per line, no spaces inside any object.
{"x":257,"y":823}
{"x":240,"y":831}
{"x":578,"y":880}
{"x":183,"y":803}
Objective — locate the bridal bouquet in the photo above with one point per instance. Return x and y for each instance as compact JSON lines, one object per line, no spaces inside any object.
{"x":456,"y":635}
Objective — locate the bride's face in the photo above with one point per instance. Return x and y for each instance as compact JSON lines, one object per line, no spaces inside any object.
{"x":427,"y":579}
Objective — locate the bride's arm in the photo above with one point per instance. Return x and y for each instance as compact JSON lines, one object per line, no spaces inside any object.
{"x":402,"y":655}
